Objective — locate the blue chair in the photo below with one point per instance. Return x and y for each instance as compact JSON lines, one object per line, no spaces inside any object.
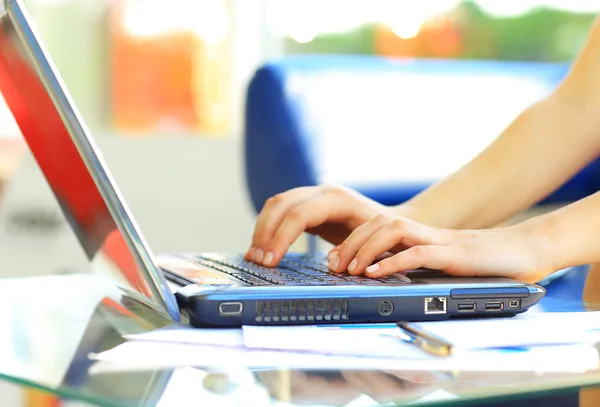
{"x":296,"y":104}
{"x":366,"y":121}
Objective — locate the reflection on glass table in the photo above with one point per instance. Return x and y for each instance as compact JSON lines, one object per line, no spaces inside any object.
{"x":53,"y":325}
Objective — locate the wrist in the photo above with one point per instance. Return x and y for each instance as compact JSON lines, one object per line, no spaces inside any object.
{"x":412,"y":212}
{"x":434,"y":218}
{"x":540,"y":234}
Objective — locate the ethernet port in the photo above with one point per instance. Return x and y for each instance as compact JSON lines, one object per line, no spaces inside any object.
{"x":436,"y":305}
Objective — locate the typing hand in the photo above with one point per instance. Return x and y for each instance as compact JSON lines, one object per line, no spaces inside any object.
{"x":329,"y":212}
{"x":505,"y":252}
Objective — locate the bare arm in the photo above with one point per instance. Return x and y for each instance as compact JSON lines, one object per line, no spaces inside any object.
{"x":571,"y":234}
{"x":541,"y":149}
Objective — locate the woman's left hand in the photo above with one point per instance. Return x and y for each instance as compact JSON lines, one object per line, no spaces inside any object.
{"x":516,"y":252}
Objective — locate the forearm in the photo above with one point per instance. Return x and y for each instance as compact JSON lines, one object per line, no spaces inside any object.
{"x":544,"y":146}
{"x":569,"y":236}
{"x":541,"y":149}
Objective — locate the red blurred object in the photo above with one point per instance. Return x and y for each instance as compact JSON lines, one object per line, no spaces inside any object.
{"x":444,"y":39}
{"x":52,"y":146}
{"x":172,"y":81}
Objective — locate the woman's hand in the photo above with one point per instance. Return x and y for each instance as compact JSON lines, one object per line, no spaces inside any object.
{"x":328,"y":211}
{"x":517,"y":252}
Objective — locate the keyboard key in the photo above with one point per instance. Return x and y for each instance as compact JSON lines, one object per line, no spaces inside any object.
{"x":295,"y":283}
{"x":396,"y":278}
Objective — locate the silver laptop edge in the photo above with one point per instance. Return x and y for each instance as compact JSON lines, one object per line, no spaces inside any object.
{"x":160,"y":296}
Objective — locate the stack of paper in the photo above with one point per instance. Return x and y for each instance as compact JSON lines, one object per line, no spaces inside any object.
{"x":554,"y":342}
{"x":534,"y":342}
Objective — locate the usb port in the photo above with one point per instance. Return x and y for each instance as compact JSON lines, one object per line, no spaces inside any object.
{"x":466,"y":307}
{"x":514,"y":304}
{"x":494,"y":306}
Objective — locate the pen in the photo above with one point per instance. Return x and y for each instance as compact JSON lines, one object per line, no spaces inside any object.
{"x":425,"y":341}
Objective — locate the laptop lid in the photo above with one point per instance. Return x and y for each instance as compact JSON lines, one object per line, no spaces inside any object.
{"x":72,"y":164}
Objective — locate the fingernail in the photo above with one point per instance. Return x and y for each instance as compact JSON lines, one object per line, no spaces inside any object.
{"x":373,"y":268}
{"x":334,"y":262}
{"x":250,"y":254}
{"x":258,"y":255}
{"x":352,"y":265}
{"x":331,"y":254}
{"x":268,"y":258}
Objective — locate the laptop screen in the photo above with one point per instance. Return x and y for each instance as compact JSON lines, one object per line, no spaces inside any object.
{"x":72,"y":165}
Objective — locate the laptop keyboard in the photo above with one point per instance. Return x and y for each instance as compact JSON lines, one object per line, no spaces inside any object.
{"x":301,"y":270}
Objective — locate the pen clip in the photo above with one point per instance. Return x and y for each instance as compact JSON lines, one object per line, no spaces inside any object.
{"x":425,"y":341}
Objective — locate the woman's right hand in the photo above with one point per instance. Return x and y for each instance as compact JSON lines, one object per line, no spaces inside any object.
{"x":330,"y":212}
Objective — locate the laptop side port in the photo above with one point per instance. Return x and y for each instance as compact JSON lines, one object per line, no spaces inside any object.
{"x":514,"y":304}
{"x":467,"y":307}
{"x":436,"y":305}
{"x":385,"y":308}
{"x":494,"y":306}
{"x":230,"y":308}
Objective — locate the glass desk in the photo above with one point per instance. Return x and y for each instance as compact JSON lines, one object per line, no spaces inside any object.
{"x":51,"y":325}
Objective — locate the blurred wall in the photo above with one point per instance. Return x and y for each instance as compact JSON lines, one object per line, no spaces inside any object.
{"x":73,"y":32}
{"x":187,"y":193}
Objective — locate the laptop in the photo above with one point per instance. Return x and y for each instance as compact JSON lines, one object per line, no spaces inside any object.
{"x":207,"y":289}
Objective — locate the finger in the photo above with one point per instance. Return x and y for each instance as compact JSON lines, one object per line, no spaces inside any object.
{"x":249,"y":255}
{"x":309,"y":214}
{"x":333,"y":252}
{"x":400,"y":231}
{"x":431,"y":257}
{"x":271,"y":216}
{"x":348,"y":249}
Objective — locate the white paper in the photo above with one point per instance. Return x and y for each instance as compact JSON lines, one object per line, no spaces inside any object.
{"x":150,"y":355}
{"x":366,"y":340}
{"x":190,"y":335}
{"x":498,"y":344}
{"x":535,"y":329}
{"x":524,"y":330}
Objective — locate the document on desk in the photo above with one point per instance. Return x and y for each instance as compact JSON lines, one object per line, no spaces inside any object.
{"x":524,"y":343}
{"x":143,"y":355}
{"x":524,"y":330}
{"x":185,"y":334}
{"x":352,"y":339}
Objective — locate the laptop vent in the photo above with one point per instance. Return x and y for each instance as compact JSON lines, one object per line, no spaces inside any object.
{"x":301,"y":310}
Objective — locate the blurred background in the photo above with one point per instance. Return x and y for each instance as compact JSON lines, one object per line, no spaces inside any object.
{"x":162,"y":84}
